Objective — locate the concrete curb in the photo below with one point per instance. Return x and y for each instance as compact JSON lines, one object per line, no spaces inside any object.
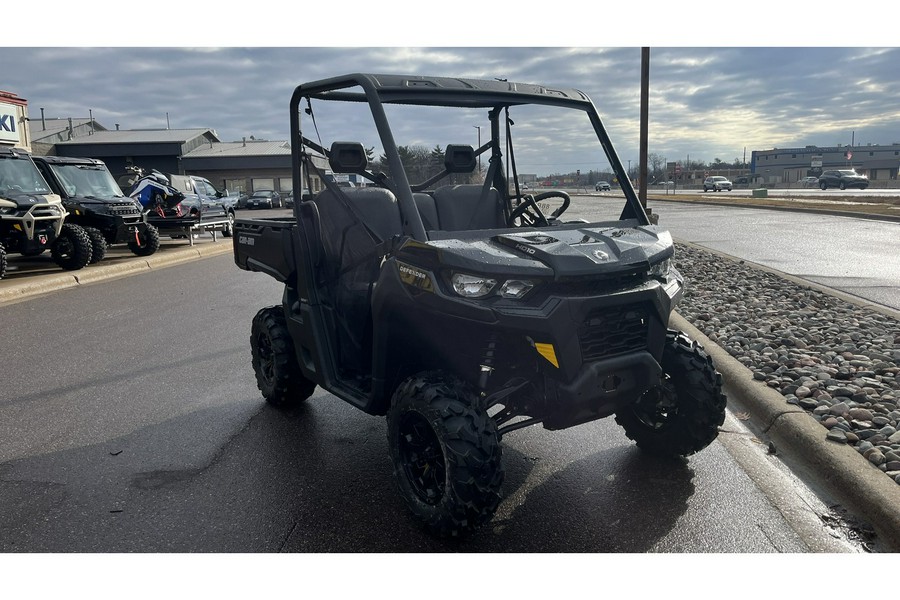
{"x":43,"y":284}
{"x":818,"y":211}
{"x":839,"y":469}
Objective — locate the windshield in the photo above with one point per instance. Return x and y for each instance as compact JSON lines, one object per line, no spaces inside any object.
{"x":546,"y":150}
{"x":87,"y":181}
{"x":22,"y":176}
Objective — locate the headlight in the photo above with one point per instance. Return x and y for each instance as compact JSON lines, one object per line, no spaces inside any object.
{"x":472,"y":286}
{"x":515,"y":288}
{"x":661,"y":269}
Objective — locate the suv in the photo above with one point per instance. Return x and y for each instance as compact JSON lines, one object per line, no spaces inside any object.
{"x":716,"y":183}
{"x":458,"y":308}
{"x":601,"y":186}
{"x":843,"y":178}
{"x":32,"y":217}
{"x":96,"y":203}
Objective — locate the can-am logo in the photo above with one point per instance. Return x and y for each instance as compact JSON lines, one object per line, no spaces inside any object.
{"x":246,"y":240}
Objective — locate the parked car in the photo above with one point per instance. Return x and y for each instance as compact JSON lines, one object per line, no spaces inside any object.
{"x":665,"y":183}
{"x":716,"y":183}
{"x":289,"y":199}
{"x":809,"y":181}
{"x":265,"y":199}
{"x":601,"y":186}
{"x":843,"y":178}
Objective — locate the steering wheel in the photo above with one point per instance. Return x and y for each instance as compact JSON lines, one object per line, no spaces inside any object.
{"x":555,"y":194}
{"x":529,"y":213}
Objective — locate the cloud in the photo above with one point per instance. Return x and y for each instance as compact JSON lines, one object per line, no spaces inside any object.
{"x":704,"y":102}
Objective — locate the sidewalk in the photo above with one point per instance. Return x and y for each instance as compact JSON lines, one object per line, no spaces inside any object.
{"x":30,"y":277}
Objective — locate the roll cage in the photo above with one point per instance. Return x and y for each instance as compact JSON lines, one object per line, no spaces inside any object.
{"x":495,"y":95}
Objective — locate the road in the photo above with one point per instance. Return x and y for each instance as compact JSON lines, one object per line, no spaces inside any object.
{"x":130,"y":422}
{"x":856,"y":256}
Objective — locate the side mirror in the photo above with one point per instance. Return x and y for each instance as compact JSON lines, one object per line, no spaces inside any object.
{"x":459,"y":158}
{"x":347,"y":157}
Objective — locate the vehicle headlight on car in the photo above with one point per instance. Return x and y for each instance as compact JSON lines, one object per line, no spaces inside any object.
{"x":515,"y":288}
{"x":661,"y":269}
{"x":478,"y":286}
{"x":472,"y":286}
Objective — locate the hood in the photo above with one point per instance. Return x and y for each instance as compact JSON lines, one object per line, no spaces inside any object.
{"x":24,"y":201}
{"x":560,"y":253}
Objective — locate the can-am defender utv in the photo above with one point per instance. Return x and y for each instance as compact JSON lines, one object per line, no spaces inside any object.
{"x":460,"y":306}
{"x":94,"y":200}
{"x":32,"y":218}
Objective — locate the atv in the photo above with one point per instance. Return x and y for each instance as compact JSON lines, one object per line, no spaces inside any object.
{"x":32,"y":217}
{"x":96,"y":203}
{"x":461,"y":306}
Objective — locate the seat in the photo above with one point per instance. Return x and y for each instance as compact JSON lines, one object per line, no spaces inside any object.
{"x":461,"y":208}
{"x":353,"y":263}
{"x":427,"y":211}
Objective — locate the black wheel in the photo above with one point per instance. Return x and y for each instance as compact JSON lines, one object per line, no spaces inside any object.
{"x":446,"y":454}
{"x":98,"y":243}
{"x":229,"y":229}
{"x":705,"y":189}
{"x":2,"y":261}
{"x":682,"y":415}
{"x":842,"y":186}
{"x":146,"y":241}
{"x":278,"y":375}
{"x":823,"y":185}
{"x":72,"y":249}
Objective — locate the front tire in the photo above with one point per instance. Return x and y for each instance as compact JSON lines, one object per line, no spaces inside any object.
{"x":682,"y":415}
{"x":147,"y":241}
{"x":278,"y":375}
{"x":98,"y":244}
{"x":842,"y":186}
{"x":3,"y":261}
{"x":446,"y":454}
{"x":823,"y":186}
{"x":72,"y":249}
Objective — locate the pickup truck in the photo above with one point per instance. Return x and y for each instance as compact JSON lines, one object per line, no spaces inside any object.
{"x":200,"y":194}
{"x":203,"y":208}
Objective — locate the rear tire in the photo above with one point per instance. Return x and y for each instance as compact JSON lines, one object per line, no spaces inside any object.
{"x":147,"y":242}
{"x":3,"y":262}
{"x":446,"y":454}
{"x":278,"y":375}
{"x":72,"y":249}
{"x":682,"y":415}
{"x":229,"y":229}
{"x":823,"y":185}
{"x":98,"y":244}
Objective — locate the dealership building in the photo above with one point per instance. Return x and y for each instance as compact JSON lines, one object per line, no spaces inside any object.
{"x":243,"y":166}
{"x":789,"y":165}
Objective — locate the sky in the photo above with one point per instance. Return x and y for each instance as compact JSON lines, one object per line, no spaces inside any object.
{"x":740,"y":93}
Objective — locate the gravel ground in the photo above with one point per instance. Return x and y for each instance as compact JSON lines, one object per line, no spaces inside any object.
{"x":838,"y":361}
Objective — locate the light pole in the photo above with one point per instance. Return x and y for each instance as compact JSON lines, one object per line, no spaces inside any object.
{"x":478,"y":127}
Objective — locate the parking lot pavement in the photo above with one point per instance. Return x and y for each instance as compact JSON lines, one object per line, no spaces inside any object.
{"x":27,"y":277}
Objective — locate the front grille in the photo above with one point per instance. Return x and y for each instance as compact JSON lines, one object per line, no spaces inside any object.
{"x":123,"y":209}
{"x":612,"y":331}
{"x":593,"y":287}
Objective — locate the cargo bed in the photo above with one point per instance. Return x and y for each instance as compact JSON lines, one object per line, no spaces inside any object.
{"x":266,"y":246}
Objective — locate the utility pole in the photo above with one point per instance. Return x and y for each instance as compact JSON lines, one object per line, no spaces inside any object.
{"x":645,"y":98}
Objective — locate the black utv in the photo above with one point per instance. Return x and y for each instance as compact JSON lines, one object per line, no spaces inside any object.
{"x":32,"y":218}
{"x":96,"y":203}
{"x":459,"y":305}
